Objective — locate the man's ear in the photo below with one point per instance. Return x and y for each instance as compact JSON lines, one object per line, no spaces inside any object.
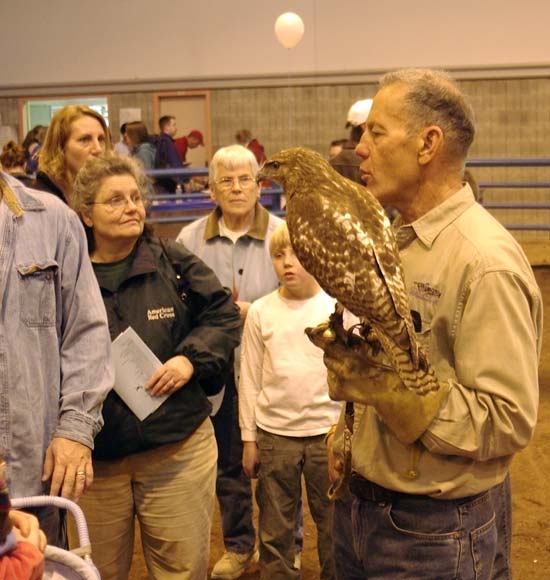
{"x":431,"y":141}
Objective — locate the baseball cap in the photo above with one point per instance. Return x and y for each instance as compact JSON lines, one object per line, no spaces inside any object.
{"x":197,"y":135}
{"x":359,"y":112}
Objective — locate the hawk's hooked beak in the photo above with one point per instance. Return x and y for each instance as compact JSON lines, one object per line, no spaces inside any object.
{"x":262,"y":172}
{"x":265,"y":169}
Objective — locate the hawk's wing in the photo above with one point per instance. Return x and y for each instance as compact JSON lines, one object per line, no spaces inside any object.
{"x":373,"y":218}
{"x":321,"y":246}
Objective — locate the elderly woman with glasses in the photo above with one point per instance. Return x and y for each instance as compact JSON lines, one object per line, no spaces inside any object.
{"x":161,"y":469}
{"x":234,"y":241}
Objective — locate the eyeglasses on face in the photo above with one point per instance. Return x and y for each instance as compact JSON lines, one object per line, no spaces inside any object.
{"x":118,"y":202}
{"x":244,"y":181}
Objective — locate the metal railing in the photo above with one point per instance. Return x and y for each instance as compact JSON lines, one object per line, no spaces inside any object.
{"x":187,"y":207}
{"x":515,"y":205}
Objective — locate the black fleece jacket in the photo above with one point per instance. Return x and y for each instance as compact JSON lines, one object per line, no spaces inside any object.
{"x":176,"y":305}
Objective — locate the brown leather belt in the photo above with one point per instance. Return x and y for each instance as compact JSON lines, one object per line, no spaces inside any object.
{"x":369,"y":491}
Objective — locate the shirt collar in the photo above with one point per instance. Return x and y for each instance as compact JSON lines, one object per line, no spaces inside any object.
{"x":258,"y":229}
{"x":43,"y":182}
{"x":144,"y":260}
{"x":18,"y":199}
{"x":431,"y":224}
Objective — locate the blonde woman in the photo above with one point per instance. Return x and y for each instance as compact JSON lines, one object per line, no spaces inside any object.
{"x":75,"y":134}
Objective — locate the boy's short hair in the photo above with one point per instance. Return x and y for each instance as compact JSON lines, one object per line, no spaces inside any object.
{"x":165,"y":120}
{"x":280,"y":239}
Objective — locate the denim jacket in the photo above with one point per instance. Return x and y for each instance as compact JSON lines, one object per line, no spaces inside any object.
{"x":55,"y":364}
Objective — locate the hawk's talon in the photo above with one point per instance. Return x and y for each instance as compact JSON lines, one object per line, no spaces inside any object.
{"x":336,"y":323}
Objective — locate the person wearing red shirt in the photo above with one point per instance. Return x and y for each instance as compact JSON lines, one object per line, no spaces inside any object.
{"x":244,"y":138}
{"x":192,"y":140}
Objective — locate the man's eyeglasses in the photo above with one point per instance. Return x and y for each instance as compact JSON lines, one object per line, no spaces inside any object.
{"x":226,"y":183}
{"x":119,"y":202}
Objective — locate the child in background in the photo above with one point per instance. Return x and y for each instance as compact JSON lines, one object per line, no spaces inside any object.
{"x":285,"y":411}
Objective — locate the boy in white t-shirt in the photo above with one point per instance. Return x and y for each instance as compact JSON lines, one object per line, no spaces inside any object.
{"x":285,"y":411}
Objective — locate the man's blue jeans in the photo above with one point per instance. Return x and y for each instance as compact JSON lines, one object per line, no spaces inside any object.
{"x":502,"y":504}
{"x":346,"y":563}
{"x":403,"y":536}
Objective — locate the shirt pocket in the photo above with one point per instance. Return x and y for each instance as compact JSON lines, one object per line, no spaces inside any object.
{"x":423,"y":317}
{"x":37,"y":297}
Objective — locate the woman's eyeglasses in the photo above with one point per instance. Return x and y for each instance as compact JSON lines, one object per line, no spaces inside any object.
{"x":118,"y":202}
{"x":244,"y":181}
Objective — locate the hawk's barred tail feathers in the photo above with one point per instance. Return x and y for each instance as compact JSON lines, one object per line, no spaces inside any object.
{"x":421,"y":379}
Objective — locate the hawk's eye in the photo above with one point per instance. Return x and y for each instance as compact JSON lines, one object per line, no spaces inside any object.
{"x":275,"y":164}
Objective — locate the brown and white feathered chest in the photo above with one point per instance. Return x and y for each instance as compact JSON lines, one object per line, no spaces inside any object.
{"x":338,"y":251}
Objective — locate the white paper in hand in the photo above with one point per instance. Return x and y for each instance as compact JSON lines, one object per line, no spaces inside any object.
{"x":134,"y":364}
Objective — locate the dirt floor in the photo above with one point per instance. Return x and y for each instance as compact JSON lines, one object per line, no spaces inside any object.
{"x":530,"y":489}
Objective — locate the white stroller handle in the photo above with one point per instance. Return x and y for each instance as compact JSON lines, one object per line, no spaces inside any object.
{"x":83,"y":552}
{"x":62,"y":503}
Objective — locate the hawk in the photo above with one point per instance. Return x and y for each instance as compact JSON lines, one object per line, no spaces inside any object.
{"x":342,"y":236}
